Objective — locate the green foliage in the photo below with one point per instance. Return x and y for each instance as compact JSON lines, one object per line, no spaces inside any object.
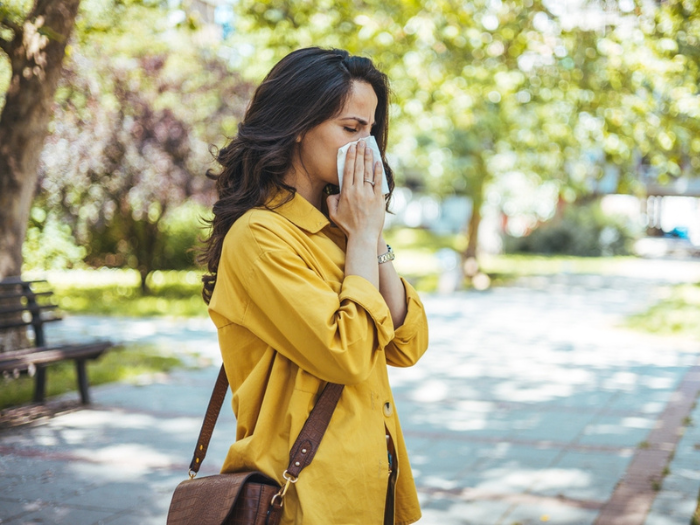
{"x":182,"y":229}
{"x":482,"y":90}
{"x":129,"y":142}
{"x":50,"y":244}
{"x":581,"y":230}
{"x":639,"y":92}
{"x":459,"y":94}
{"x":118,"y":364}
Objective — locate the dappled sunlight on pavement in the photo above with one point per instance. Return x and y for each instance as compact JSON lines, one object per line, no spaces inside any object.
{"x":529,"y":407}
{"x":534,"y":390}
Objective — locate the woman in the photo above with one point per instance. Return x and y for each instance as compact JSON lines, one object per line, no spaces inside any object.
{"x":300,"y":298}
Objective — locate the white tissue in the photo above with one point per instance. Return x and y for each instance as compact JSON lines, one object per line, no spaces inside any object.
{"x":372,"y":143}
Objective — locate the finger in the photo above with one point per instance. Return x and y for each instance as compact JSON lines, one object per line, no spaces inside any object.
{"x":369,"y":172}
{"x":378,"y":179}
{"x":360,"y":164}
{"x":349,"y":170}
{"x":332,"y":203}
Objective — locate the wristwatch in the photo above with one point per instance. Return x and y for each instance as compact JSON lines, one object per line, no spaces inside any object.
{"x":386,"y":257}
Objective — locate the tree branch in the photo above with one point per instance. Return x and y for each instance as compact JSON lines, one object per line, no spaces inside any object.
{"x":11,"y":25}
{"x":5,"y":45}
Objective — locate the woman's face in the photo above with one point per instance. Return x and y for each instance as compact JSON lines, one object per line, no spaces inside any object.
{"x":318,"y":149}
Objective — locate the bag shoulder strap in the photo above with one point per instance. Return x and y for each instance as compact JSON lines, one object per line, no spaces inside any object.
{"x":304,"y":448}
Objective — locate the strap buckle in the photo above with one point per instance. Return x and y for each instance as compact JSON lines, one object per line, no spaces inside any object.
{"x":283,"y":491}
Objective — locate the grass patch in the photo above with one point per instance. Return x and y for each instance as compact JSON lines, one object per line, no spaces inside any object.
{"x":117,"y":364}
{"x":178,"y":293}
{"x":676,"y":314}
{"x":118,"y":292}
{"x":695,"y":520}
{"x":415,"y":259}
{"x":512,"y":266}
{"x":416,"y":249}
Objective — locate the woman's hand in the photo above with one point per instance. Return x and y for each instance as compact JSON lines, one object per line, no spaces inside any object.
{"x":359,"y":208}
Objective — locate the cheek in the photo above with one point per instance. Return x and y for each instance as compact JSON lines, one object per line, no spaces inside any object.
{"x":320,"y":156}
{"x":329,"y":146}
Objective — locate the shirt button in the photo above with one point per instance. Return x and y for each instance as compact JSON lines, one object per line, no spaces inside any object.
{"x":388,"y":409}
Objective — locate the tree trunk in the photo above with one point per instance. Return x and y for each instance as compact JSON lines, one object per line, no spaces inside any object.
{"x":36,"y":55}
{"x":475,"y":218}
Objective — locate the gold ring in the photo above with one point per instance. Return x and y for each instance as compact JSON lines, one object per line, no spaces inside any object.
{"x":370,"y":181}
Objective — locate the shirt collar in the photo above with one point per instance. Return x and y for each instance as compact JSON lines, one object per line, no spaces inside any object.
{"x":298,"y":211}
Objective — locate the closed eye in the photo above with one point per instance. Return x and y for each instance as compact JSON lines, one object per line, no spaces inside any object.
{"x":351,"y":130}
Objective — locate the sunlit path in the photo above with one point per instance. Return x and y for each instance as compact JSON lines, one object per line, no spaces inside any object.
{"x":528,"y":408}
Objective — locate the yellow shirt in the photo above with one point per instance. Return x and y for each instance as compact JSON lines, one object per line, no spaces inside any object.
{"x":289,"y":321}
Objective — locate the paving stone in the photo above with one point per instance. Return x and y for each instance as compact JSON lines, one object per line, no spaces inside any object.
{"x":113,"y":496}
{"x":509,"y":469}
{"x":443,"y":511}
{"x":59,"y":515}
{"x":654,"y":518}
{"x":667,"y":501}
{"x":617,"y":431}
{"x":583,"y":476}
{"x":680,"y":484}
{"x":445,"y":458}
{"x":550,"y":513}
{"x":561,"y":427}
{"x":131,"y":519}
{"x":42,"y":480}
{"x":14,"y":509}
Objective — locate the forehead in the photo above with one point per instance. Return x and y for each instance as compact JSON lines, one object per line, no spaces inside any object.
{"x":361,"y":102}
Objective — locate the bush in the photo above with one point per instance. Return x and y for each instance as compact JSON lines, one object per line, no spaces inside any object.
{"x":49,"y":244}
{"x":582,"y":230}
{"x":182,"y":227}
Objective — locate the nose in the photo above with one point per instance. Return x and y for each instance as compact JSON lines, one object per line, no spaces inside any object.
{"x":364,"y":134}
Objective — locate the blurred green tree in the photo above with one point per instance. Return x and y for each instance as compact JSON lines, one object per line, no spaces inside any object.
{"x":662,"y":57}
{"x":637,"y":93}
{"x":478,"y":87}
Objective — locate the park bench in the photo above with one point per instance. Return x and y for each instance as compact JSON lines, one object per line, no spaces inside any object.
{"x":23,"y":308}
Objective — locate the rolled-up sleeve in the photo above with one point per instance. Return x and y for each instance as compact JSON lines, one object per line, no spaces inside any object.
{"x":411,"y":339}
{"x":334,"y":335}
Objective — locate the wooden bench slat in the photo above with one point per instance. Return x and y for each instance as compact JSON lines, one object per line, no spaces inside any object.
{"x":35,"y":308}
{"x":68,"y":346}
{"x":18,"y":324}
{"x":15,"y":295}
{"x":40,"y":356}
{"x":18,"y":281}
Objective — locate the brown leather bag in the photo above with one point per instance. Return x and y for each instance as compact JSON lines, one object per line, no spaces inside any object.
{"x":246,"y":498}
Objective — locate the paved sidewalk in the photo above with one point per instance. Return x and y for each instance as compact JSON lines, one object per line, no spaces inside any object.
{"x":531,"y":406}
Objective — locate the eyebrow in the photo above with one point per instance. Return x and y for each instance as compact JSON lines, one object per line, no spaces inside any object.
{"x":360,"y":120}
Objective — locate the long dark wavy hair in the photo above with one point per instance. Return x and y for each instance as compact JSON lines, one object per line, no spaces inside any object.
{"x":304,"y":89}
